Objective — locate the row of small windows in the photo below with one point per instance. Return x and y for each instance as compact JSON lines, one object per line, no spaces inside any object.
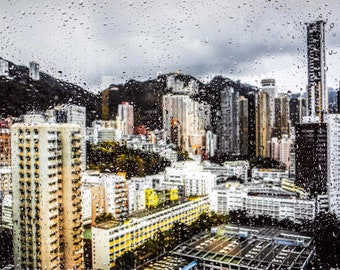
{"x":27,"y":131}
{"x":28,"y":149}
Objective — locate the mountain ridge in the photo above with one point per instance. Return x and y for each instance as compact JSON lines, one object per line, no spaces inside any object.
{"x":20,"y":94}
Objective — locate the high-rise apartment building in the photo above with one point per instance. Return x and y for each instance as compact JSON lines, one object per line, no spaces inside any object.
{"x":333,"y":162}
{"x":178,"y":86}
{"x":317,"y":90}
{"x":72,"y":114}
{"x":184,"y":121}
{"x":228,"y":132}
{"x":268,"y":86}
{"x":281,"y":116}
{"x":263,"y":127}
{"x":47,"y":203}
{"x":34,"y":71}
{"x":244,"y":125}
{"x":4,"y":67}
{"x":297,"y":109}
{"x":251,"y":96}
{"x":279,"y":149}
{"x":311,"y":156}
{"x":125,"y":116}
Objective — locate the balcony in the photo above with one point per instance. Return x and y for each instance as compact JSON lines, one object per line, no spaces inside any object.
{"x":77,"y":216}
{"x":77,"y":160}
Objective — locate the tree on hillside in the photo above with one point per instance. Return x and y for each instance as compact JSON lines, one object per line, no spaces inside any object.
{"x":111,"y":157}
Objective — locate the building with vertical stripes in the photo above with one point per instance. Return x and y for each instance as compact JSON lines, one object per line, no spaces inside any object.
{"x":47,"y":203}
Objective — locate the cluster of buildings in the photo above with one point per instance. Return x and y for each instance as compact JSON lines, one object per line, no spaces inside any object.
{"x":33,"y":71}
{"x":297,"y":130}
{"x":47,"y":196}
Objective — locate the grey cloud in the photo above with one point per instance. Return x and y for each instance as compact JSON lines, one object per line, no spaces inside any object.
{"x":136,"y":39}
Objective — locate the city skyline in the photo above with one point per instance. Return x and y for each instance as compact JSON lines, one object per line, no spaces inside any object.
{"x":139,"y":39}
{"x":110,"y":192}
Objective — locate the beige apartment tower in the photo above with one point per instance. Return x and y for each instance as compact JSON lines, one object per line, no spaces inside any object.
{"x":47,"y":206}
{"x":263,"y":126}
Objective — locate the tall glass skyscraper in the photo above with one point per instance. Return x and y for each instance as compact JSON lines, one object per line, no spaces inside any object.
{"x":317,"y":91}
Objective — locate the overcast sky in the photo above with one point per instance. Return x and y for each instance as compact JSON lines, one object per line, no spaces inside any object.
{"x":83,"y":40}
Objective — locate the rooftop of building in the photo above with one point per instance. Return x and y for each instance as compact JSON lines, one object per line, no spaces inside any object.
{"x":282,"y":188}
{"x":108,"y":224}
{"x":164,"y":188}
{"x":139,"y":215}
{"x":250,"y":247}
{"x":166,"y":262}
{"x":161,"y":207}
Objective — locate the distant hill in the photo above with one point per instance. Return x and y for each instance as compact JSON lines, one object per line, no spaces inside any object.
{"x":19,"y":94}
{"x":147,"y":97}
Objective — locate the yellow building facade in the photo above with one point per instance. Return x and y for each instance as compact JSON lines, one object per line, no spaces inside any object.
{"x":110,"y":241}
{"x":154,"y":198}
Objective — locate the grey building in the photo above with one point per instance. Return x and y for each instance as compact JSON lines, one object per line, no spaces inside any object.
{"x":228,"y":130}
{"x":317,"y":91}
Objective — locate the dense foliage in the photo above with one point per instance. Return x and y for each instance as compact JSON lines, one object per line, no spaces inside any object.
{"x":266,"y":163}
{"x":112,"y":157}
{"x":103,"y":217}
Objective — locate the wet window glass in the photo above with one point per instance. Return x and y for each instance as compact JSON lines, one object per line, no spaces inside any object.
{"x":169,"y":134}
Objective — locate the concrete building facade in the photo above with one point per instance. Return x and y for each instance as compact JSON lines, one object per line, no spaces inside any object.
{"x":317,"y":91}
{"x":110,"y":241}
{"x":47,"y":203}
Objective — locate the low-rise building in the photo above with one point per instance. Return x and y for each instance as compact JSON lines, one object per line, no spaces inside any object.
{"x":241,"y":247}
{"x":275,"y":174}
{"x":263,"y":200}
{"x":104,"y":192}
{"x":110,"y":241}
{"x":192,"y":177}
{"x":237,"y":169}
